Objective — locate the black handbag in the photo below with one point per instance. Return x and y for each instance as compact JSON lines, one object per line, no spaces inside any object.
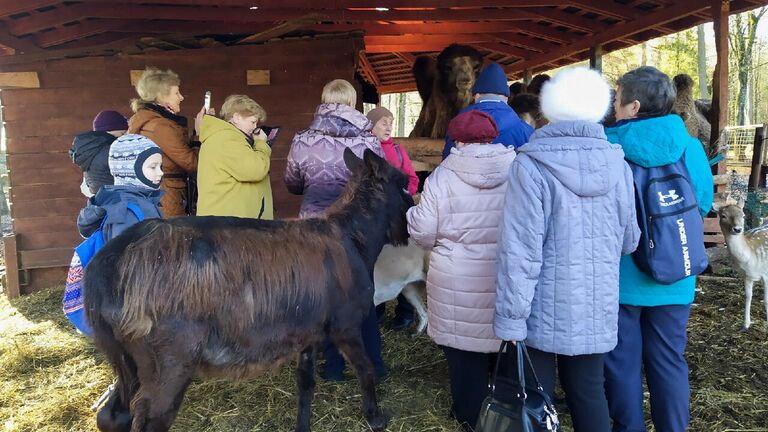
{"x":528,"y":409}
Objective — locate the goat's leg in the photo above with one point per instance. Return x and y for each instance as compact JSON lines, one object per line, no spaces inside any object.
{"x":114,"y":415}
{"x":352,"y":347}
{"x":748,"y":284}
{"x":160,"y":395}
{"x":411,"y":293}
{"x":305,"y":378}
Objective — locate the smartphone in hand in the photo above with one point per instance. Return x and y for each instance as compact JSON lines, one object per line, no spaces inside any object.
{"x":272,"y":132}
{"x":207,"y":103}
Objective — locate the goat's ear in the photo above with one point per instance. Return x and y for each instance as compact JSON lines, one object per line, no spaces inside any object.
{"x":740,"y":202}
{"x":353,"y":162}
{"x":716,"y":206}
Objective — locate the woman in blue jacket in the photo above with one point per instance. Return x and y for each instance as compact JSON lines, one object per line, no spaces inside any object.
{"x":653,"y":317}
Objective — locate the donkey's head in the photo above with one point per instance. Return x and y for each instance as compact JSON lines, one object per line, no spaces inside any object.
{"x":384,"y":189}
{"x":731,"y":219}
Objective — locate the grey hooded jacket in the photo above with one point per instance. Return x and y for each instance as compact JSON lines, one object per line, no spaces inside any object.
{"x":569,"y":215}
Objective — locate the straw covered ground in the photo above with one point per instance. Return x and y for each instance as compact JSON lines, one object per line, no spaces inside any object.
{"x":49,"y":377}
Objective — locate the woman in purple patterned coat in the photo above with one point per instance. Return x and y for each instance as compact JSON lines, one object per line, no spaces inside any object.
{"x":315,"y":163}
{"x":316,"y":170}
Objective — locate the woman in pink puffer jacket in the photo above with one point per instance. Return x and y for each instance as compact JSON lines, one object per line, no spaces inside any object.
{"x":458,"y":219}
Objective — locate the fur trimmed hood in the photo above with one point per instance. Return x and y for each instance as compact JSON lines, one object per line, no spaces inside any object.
{"x":576,"y":94}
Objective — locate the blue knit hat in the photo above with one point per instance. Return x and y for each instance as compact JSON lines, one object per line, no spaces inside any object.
{"x":491,"y":80}
{"x":127,"y":155}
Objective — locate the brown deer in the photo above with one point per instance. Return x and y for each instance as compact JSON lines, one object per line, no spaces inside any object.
{"x":749,"y":253}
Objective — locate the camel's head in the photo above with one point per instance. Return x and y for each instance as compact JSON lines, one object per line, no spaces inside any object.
{"x":458,"y":67}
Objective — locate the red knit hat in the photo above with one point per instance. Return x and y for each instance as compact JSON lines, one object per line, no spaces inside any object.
{"x":473,"y":127}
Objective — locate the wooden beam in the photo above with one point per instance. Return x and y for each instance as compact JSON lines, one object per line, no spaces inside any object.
{"x":10,"y":80}
{"x":523,"y":42}
{"x":406,"y":57}
{"x":12,"y":285}
{"x":570,"y":20}
{"x":681,"y":9}
{"x":720,"y":10}
{"x":19,"y":46}
{"x":281,"y":29}
{"x":507,"y":50}
{"x":596,"y":58}
{"x":91,"y":45}
{"x":77,"y":31}
{"x":369,"y":70}
{"x":397,"y":88}
{"x":425,"y":39}
{"x":357,"y":4}
{"x":13,"y":7}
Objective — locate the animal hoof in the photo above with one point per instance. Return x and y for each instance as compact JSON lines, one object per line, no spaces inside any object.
{"x":379,"y":422}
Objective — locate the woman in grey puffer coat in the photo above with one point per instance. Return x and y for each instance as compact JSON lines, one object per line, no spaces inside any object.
{"x":569,"y":216}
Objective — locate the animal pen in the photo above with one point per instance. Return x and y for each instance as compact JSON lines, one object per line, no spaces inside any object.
{"x":62,"y":61}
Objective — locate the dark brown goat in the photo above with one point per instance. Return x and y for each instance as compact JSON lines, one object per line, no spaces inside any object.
{"x":222,"y":296}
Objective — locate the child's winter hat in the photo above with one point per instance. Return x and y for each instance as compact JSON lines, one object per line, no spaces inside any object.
{"x":106,"y":121}
{"x":576,"y":94}
{"x":473,"y":127}
{"x":127,"y":155}
{"x":377,"y":113}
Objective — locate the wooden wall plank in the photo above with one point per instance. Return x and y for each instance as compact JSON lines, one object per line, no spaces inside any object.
{"x":9,"y":80}
{"x":66,"y":207}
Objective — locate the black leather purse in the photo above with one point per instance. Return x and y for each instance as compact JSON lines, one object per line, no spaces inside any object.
{"x":528,"y":408}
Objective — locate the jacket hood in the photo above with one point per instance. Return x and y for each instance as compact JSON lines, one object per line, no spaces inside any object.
{"x":484,"y":166}
{"x":211,"y":126}
{"x":87,"y":145}
{"x":578,"y":155}
{"x":651,"y":142}
{"x":110,"y":196}
{"x":340,"y":120}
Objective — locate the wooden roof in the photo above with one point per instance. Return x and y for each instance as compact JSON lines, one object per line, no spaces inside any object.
{"x":522,"y":35}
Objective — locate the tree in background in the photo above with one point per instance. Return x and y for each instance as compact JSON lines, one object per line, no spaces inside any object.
{"x":742,"y":40}
{"x":702,"y":63}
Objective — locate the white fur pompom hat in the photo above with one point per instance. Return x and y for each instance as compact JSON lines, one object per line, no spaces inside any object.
{"x":575,"y":94}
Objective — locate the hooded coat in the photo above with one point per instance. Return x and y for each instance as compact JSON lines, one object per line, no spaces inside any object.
{"x":315,"y":166}
{"x":458,"y":219}
{"x":233,"y":172}
{"x":569,"y":215}
{"x":90,"y":152}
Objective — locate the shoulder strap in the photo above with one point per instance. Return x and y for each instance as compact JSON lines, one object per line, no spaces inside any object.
{"x":134,"y":208}
{"x":399,"y":155}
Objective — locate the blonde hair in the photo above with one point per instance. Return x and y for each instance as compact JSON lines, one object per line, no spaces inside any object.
{"x":243,"y":105}
{"x":153,"y":83}
{"x":341,"y":92}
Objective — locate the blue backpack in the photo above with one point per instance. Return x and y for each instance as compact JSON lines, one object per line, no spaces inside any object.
{"x":73,"y":290}
{"x":671,"y":228}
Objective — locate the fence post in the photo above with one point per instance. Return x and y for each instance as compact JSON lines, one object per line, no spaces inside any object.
{"x":757,"y":157}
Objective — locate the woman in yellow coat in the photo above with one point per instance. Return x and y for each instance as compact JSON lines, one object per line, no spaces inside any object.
{"x":233,"y":168}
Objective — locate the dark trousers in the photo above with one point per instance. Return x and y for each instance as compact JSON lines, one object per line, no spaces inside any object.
{"x":470,"y":373}
{"x":334,"y":361}
{"x":582,"y":380}
{"x":653,"y":338}
{"x":403,"y":309}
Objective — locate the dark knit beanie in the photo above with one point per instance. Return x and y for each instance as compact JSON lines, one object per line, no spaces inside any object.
{"x":106,"y":121}
{"x":491,"y":80}
{"x":473,"y":127}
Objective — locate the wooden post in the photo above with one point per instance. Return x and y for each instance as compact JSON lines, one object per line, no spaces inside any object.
{"x":527,"y":76}
{"x":12,"y":287}
{"x":720,"y":10}
{"x":757,"y":157}
{"x":596,"y":58}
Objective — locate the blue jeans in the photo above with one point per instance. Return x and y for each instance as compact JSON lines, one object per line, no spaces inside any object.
{"x":653,"y":338}
{"x":334,"y":361}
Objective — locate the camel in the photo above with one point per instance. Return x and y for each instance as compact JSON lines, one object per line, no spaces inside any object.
{"x":445,"y":87}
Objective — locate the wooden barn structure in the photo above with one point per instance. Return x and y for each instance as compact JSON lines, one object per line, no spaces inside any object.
{"x":63,"y":61}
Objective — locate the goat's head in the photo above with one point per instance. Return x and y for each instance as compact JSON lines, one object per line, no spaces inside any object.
{"x":388,"y":185}
{"x":731,"y":219}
